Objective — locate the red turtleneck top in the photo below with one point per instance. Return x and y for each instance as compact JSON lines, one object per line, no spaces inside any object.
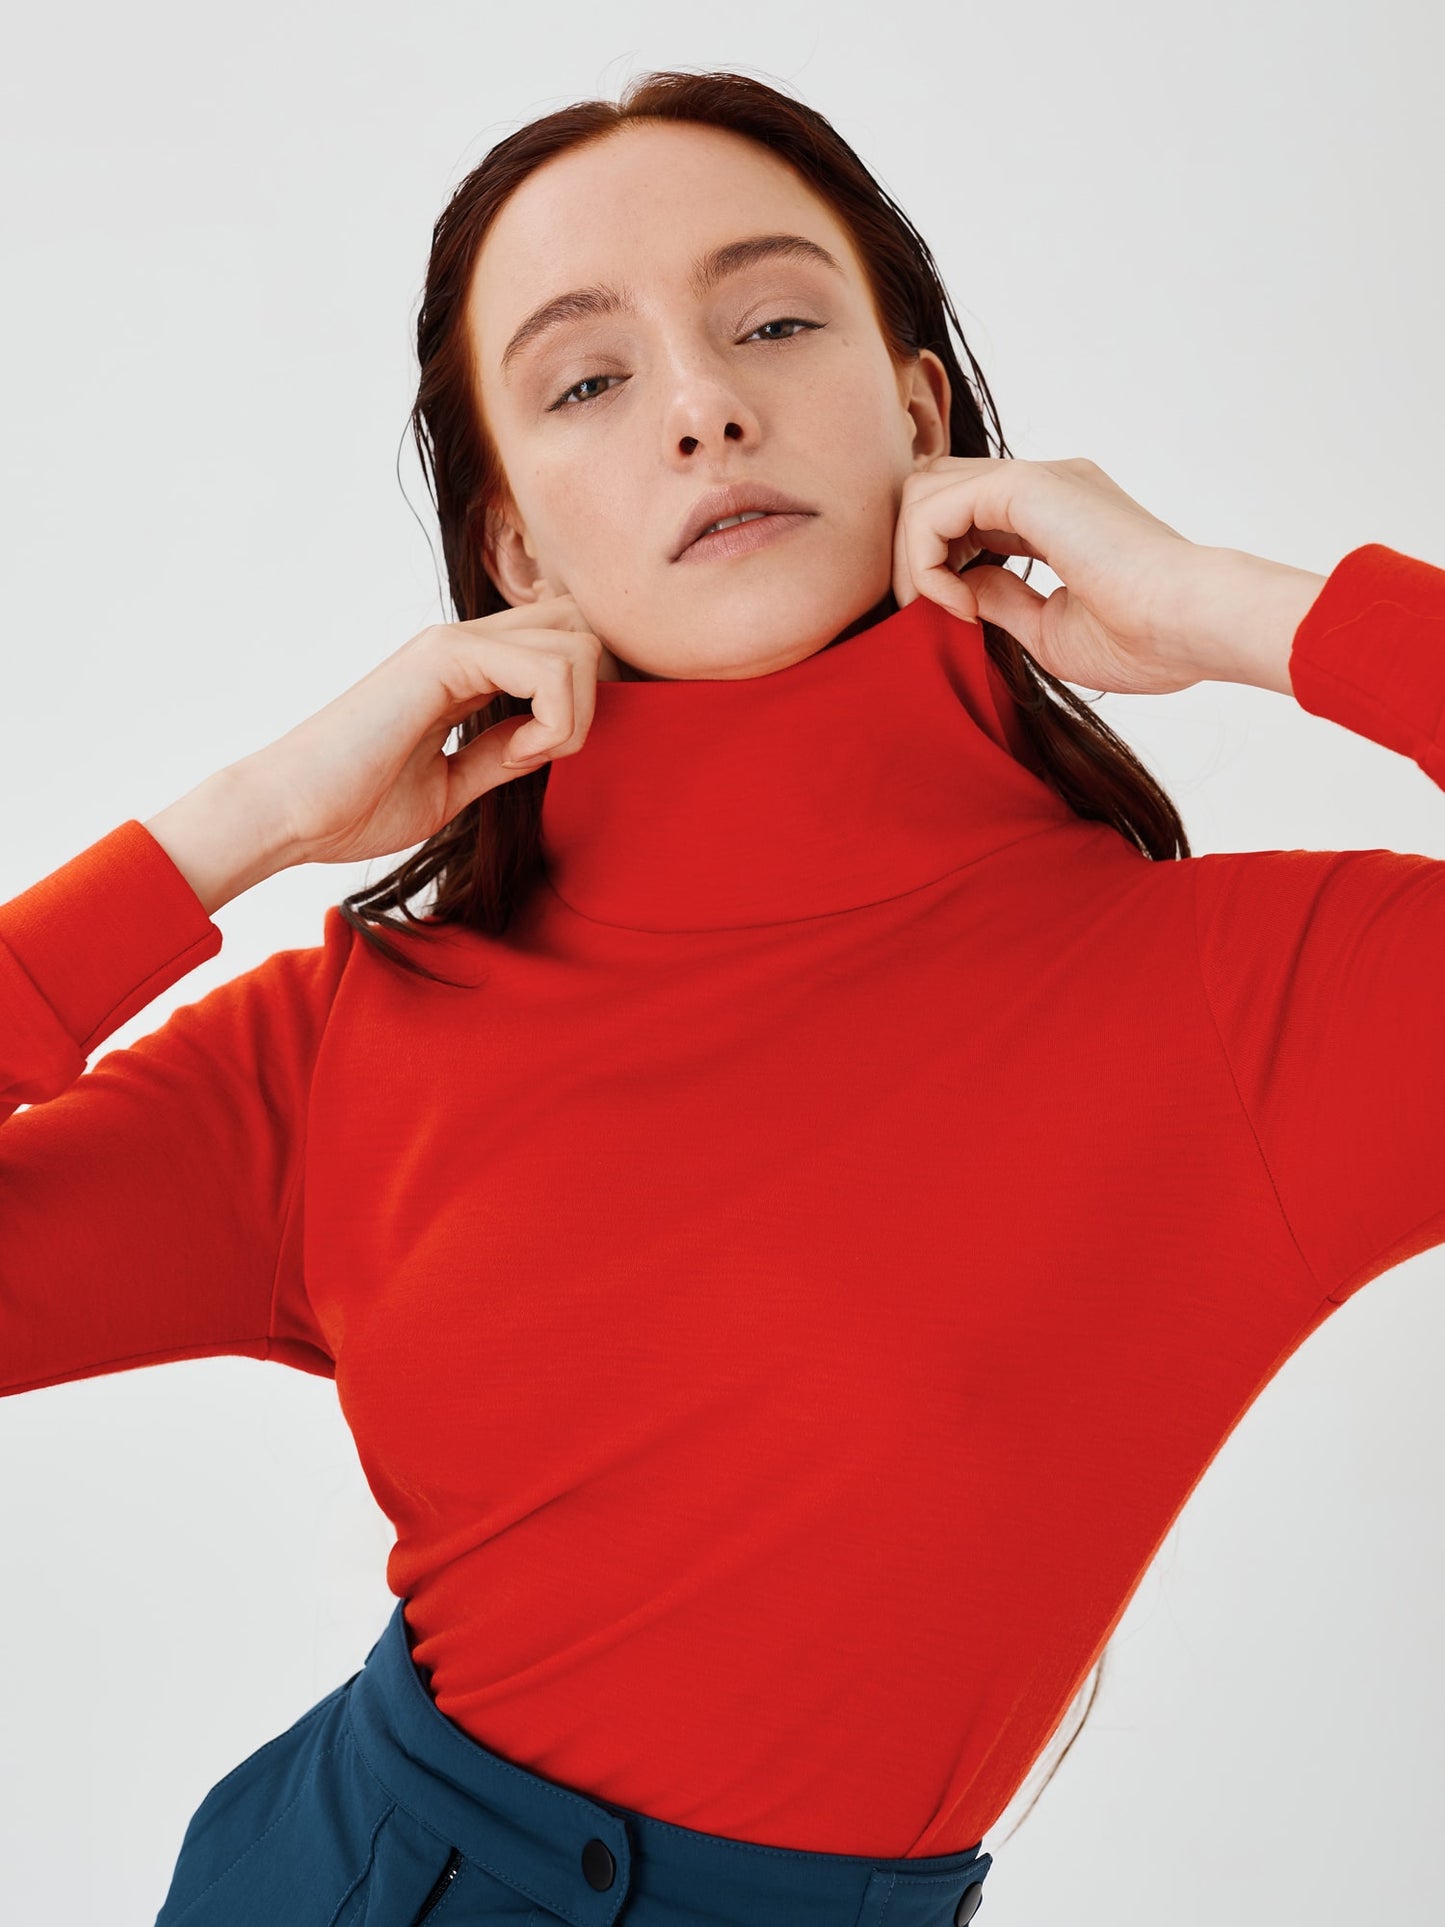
{"x":784,"y":1298}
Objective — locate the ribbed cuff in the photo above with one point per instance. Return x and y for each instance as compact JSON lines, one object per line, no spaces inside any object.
{"x":1370,"y":653}
{"x":107,"y":932}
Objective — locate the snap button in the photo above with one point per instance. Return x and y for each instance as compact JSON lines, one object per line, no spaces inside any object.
{"x":599,"y":1866}
{"x":969,"y":1905}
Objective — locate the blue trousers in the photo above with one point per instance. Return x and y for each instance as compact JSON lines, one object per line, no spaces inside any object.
{"x":377,"y":1810}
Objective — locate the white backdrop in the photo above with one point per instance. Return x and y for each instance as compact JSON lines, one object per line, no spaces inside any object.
{"x":1201,"y":247}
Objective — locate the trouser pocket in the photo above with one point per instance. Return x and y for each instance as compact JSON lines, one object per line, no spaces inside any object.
{"x":303,"y":1834}
{"x":416,"y":1880}
{"x":284,"y":1836}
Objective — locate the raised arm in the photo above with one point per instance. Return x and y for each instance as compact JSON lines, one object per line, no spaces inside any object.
{"x":1325,"y":970}
{"x":150,"y":1206}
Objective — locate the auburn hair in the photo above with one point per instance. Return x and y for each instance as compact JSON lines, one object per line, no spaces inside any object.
{"x":485,"y":861}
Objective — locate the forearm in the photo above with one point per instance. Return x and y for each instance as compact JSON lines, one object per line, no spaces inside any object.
{"x":224,"y":836}
{"x":1242,"y":617}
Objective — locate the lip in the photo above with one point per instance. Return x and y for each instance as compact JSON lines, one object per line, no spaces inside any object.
{"x":737,"y":498}
{"x":743,"y":537}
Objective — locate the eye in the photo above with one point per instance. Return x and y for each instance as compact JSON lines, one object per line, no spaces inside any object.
{"x":785,"y":321}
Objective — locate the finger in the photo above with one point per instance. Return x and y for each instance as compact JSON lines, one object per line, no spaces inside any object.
{"x":557,"y":725}
{"x":475,"y":768}
{"x":950,"y":592}
{"x":562,"y":715}
{"x":986,"y":506}
{"x":950,"y":467}
{"x":1003,"y":542}
{"x":1015,"y":606}
{"x":904,"y":590}
{"x":942,"y":476}
{"x":555,"y":717}
{"x":540,"y":670}
{"x":479,"y":664}
{"x":558,"y":612}
{"x":930,"y":539}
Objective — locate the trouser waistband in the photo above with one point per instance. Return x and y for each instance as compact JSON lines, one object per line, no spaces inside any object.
{"x":586,"y":1859}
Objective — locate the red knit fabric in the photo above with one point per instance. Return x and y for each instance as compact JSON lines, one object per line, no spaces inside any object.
{"x":783,"y":1300}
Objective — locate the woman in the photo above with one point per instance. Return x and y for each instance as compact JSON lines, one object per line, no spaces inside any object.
{"x":793,"y":1222}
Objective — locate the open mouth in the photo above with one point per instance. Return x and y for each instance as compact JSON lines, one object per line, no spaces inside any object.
{"x":756,"y":530}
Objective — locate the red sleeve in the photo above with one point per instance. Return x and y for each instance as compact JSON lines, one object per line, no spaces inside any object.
{"x":150,"y":1207}
{"x":1323,"y":969}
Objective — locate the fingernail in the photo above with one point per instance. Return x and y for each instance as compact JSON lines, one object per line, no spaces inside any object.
{"x":525,"y":762}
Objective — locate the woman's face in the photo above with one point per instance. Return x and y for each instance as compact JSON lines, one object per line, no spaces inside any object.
{"x":691,"y":390}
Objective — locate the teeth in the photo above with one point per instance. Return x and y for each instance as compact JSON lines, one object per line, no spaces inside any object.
{"x":748,"y":515}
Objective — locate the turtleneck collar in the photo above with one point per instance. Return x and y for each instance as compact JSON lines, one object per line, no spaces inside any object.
{"x":878,"y":764}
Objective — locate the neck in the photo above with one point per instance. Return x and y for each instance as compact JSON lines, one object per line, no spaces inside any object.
{"x":878,"y":764}
{"x":885,"y":606}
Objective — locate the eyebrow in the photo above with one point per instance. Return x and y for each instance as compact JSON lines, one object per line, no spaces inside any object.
{"x":707,"y":271}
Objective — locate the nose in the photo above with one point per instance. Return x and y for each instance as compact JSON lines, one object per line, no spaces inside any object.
{"x":731,"y":432}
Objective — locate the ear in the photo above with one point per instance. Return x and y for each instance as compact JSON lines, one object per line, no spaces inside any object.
{"x":927,"y":396}
{"x":511,"y":562}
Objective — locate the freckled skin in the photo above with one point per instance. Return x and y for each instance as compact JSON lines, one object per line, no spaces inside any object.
{"x":686,"y":395}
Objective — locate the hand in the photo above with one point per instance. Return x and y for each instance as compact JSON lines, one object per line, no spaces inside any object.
{"x":367,"y":775}
{"x":1120,"y":619}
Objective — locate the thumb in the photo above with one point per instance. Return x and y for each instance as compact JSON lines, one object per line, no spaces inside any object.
{"x":478,"y":767}
{"x":1014,"y":605}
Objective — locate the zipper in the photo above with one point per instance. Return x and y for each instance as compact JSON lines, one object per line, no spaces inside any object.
{"x":444,"y":1880}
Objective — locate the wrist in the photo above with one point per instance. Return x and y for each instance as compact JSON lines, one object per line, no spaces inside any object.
{"x":1244,"y":612}
{"x":225,"y":836}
